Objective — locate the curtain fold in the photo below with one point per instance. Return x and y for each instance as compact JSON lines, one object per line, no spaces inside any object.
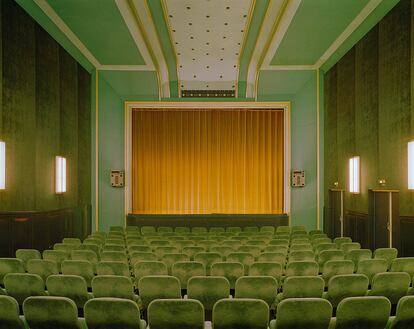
{"x":207,"y":161}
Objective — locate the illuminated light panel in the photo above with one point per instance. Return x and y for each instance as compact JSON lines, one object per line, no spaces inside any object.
{"x":411,"y":165}
{"x":60,"y":174}
{"x":354,"y":176}
{"x":2,"y":165}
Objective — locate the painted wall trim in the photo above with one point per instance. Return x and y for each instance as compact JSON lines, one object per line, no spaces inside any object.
{"x":288,"y":68}
{"x":54,"y":17}
{"x":129,"y":106}
{"x":96,"y":150}
{"x":318,"y":162}
{"x":130,"y":68}
{"x":358,"y":20}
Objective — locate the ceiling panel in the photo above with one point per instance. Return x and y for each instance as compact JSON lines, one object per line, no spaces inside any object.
{"x":101,"y":28}
{"x":316,"y":25}
{"x":208,"y":36}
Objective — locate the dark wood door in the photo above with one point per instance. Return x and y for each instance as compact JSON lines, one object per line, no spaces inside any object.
{"x":333,"y":226}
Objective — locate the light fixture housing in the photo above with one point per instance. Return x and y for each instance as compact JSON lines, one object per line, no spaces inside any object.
{"x":354,"y":174}
{"x":411,"y":165}
{"x":60,"y":174}
{"x":2,"y":165}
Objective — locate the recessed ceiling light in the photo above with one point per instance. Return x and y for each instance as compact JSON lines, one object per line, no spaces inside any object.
{"x":195,"y":76}
{"x":193,"y":59}
{"x":173,"y":30}
{"x":188,"y":8}
{"x":221,"y":77}
{"x":207,"y":66}
{"x":226,"y":23}
{"x":242,"y":31}
{"x":171,"y":16}
{"x":237,"y":54}
{"x":192,"y":48}
{"x":207,"y":43}
{"x":190,"y":23}
{"x":224,"y":37}
{"x":244,"y":15}
{"x":208,"y":16}
{"x":191,"y":37}
{"x":207,"y":30}
{"x":222,"y":48}
{"x":221,"y":59}
{"x":227,"y":7}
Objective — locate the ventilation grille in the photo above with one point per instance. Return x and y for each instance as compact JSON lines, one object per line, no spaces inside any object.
{"x":208,"y":93}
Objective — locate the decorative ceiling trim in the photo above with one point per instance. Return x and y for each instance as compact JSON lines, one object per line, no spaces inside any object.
{"x":358,"y":20}
{"x":285,"y":21}
{"x":55,"y":18}
{"x":274,"y":11}
{"x":289,"y":68}
{"x":125,"y":68}
{"x":145,"y":24}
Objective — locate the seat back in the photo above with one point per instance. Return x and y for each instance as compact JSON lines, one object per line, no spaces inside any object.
{"x":26,"y":254}
{"x":341,"y":240}
{"x":142,"y":256}
{"x":347,"y":285}
{"x":370,"y":267}
{"x":224,"y":251}
{"x":258,"y":287}
{"x":244,"y":258}
{"x":336,"y":267}
{"x":300,"y":246}
{"x":56,"y":255}
{"x":208,"y":259}
{"x":230,"y":270}
{"x":273,"y":269}
{"x":392,"y":285}
{"x":9,"y":314}
{"x":191,"y":251}
{"x":208,"y":290}
{"x":363,"y":313}
{"x":277,"y":257}
{"x":405,"y":264}
{"x":404,"y":318}
{"x":88,"y":255}
{"x":158,"y":287}
{"x":327,"y":255}
{"x":82,"y":268}
{"x":356,"y":255}
{"x":112,"y":286}
{"x":23,"y":285}
{"x":309,"y":313}
{"x":240,"y":314}
{"x":74,"y":241}
{"x":183,"y":271}
{"x":389,"y":254}
{"x":255,"y":251}
{"x":145,"y":268}
{"x":302,"y":268}
{"x":347,"y":247}
{"x":170,"y":259}
{"x":51,"y":312}
{"x":42,"y":267}
{"x":182,"y":229}
{"x":10,"y":265}
{"x":303,"y":287}
{"x":114,"y":256}
{"x":113,"y":313}
{"x":147,"y":230}
{"x":112,"y":268}
{"x":70,"y":286}
{"x":301,"y":255}
{"x":176,"y":314}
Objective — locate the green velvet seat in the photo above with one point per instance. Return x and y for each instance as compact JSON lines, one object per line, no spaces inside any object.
{"x":392,"y":285}
{"x":117,"y":228}
{"x":170,"y":259}
{"x":23,"y":285}
{"x":181,"y":244}
{"x":298,"y":228}
{"x":328,"y":255}
{"x":281,"y":236}
{"x":341,"y":240}
{"x":160,"y":243}
{"x":267,"y":228}
{"x":347,"y":247}
{"x":318,"y":241}
{"x":164,"y":229}
{"x":284,"y":229}
{"x":162,"y":250}
{"x":82,"y":268}
{"x":113,"y":247}
{"x":42,"y":267}
{"x":139,"y":256}
{"x":199,"y":230}
{"x":176,"y":314}
{"x":250,"y":229}
{"x":207,"y":244}
{"x":113,"y":268}
{"x":244,"y":258}
{"x":362,"y":313}
{"x":9,"y":314}
{"x":280,"y":249}
{"x":404,"y":318}
{"x":324,"y":246}
{"x":357,"y":255}
{"x":182,"y":229}
{"x":230,"y":270}
{"x":301,"y":255}
{"x":257,"y":287}
{"x":70,"y":286}
{"x":87,"y":255}
{"x":302,"y":287}
{"x":370,"y":267}
{"x":208,"y":290}
{"x":10,"y":265}
{"x":26,"y":254}
{"x":208,"y":259}
{"x":51,"y":313}
{"x":174,"y":238}
{"x":117,"y":241}
{"x":302,"y":268}
{"x":279,"y":242}
{"x":234,"y":229}
{"x":96,"y":241}
{"x":147,"y":230}
{"x":56,"y":255}
{"x":272,"y":269}
{"x":389,"y":254}
{"x":253,"y":250}
{"x":314,"y":232}
{"x":113,"y":313}
{"x":139,"y":248}
{"x":224,"y":251}
{"x":183,"y":271}
{"x":405,"y":264}
{"x":300,"y":240}
{"x":336,"y":267}
{"x":277,"y":257}
{"x":191,"y":251}
{"x":113,"y":286}
{"x":74,"y":241}
{"x":145,"y":268}
{"x":302,"y":313}
{"x":235,"y":244}
{"x":131,"y":228}
{"x":301,"y":247}
{"x":347,"y":285}
{"x":240,"y":314}
{"x":114,"y":256}
{"x":216,"y":229}
{"x":319,"y":235}
{"x":92,"y":247}
{"x":158,"y":287}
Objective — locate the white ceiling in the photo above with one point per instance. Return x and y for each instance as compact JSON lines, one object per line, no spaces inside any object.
{"x":208,"y":37}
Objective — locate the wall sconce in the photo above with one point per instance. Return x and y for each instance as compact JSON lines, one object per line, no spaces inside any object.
{"x":2,"y":165}
{"x":411,"y":165}
{"x":354,"y":174}
{"x":60,"y":174}
{"x":336,"y":184}
{"x":382,"y":181}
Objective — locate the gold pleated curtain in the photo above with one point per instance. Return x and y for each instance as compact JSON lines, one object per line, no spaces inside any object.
{"x":207,"y":161}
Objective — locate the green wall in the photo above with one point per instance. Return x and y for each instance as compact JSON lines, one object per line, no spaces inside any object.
{"x":368,"y":110}
{"x":44,"y":112}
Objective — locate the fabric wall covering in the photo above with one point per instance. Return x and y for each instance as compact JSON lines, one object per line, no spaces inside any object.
{"x":207,"y":161}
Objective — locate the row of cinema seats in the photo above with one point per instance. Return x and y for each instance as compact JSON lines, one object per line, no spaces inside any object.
{"x":113,"y":313}
{"x":280,"y":280}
